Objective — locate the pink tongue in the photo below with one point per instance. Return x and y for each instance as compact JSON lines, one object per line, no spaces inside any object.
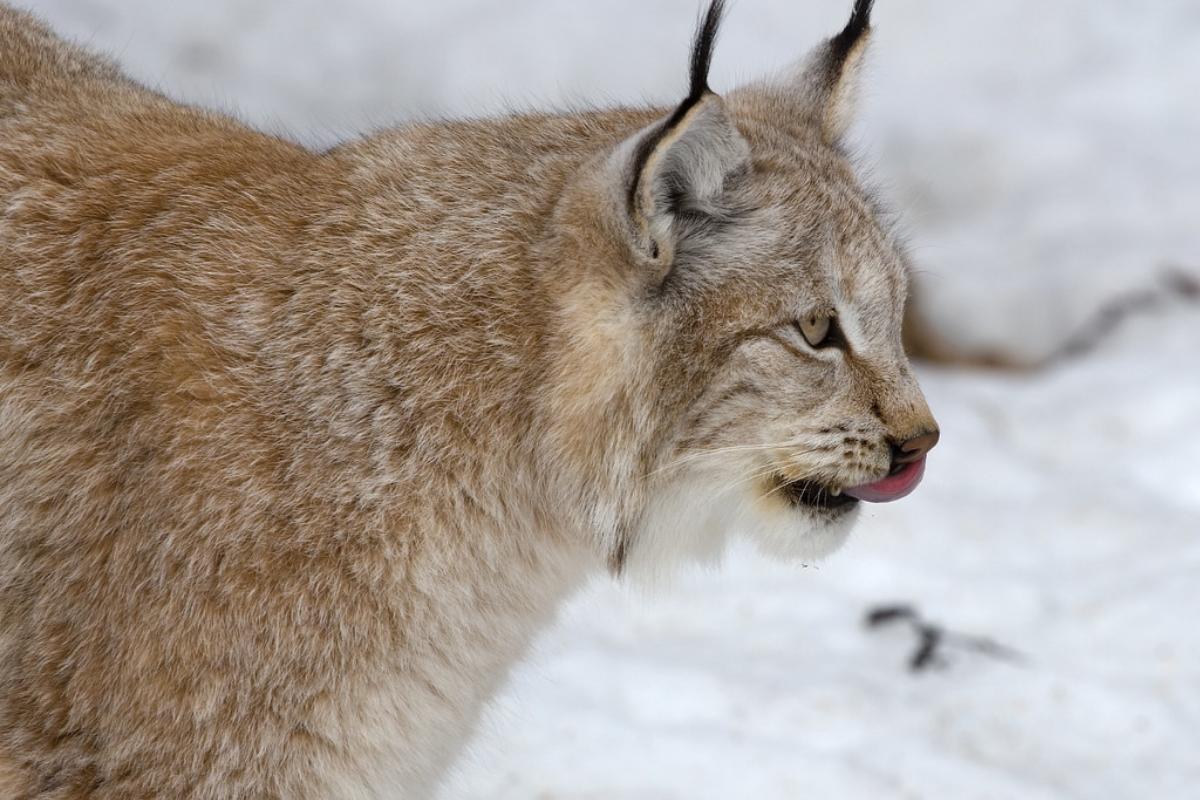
{"x":893,"y":487}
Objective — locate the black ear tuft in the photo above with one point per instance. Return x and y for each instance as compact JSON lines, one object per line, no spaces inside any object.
{"x":702,"y":50}
{"x":860,"y":23}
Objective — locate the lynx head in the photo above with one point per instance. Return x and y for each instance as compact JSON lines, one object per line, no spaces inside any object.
{"x":733,"y":310}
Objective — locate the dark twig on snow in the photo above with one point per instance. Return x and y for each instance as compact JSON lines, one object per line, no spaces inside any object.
{"x":932,"y":639}
{"x":1174,"y":284}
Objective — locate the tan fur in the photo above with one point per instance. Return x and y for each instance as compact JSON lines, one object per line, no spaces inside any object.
{"x":298,"y":450}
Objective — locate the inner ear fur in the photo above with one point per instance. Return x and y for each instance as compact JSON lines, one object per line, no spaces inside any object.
{"x":681,"y":164}
{"x":682,"y":168}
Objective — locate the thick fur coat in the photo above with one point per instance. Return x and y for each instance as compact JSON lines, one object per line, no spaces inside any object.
{"x":298,"y":450}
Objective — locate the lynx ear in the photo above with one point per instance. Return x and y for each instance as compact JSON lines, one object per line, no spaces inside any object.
{"x":828,"y":78}
{"x":678,"y":168}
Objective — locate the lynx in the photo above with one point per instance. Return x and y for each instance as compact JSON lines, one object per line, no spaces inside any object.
{"x":298,"y":450}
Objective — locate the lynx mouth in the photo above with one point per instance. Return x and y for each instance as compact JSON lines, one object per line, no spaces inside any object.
{"x":899,"y":483}
{"x":812,"y":494}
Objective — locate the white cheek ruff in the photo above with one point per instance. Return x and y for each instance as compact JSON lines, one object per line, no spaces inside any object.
{"x":798,"y":534}
{"x":692,"y":520}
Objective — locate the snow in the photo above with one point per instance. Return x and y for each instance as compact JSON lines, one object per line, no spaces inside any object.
{"x":1043,"y":158}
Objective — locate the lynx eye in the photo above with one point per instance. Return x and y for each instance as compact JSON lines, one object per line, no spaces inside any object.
{"x":816,"y":329}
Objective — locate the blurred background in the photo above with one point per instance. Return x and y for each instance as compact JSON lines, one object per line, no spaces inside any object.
{"x":1043,"y":160}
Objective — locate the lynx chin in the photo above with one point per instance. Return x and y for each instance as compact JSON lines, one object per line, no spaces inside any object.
{"x":298,"y":450}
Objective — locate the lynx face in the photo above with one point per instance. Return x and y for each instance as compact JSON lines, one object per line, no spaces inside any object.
{"x":809,"y":393}
{"x":753,"y":273}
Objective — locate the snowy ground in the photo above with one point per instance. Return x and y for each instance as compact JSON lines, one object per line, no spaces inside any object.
{"x":1043,"y":157}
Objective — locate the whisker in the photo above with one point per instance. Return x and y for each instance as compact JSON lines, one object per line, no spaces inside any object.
{"x":773,"y":467}
{"x":746,"y":448}
{"x":708,"y":454}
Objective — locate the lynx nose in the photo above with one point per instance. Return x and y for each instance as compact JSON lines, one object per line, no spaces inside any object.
{"x":914,"y":449}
